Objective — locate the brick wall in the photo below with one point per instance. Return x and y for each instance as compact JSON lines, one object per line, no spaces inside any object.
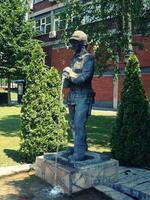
{"x":61,"y":57}
{"x":48,"y":52}
{"x":146,"y":82}
{"x":120,"y":82}
{"x":143,"y":55}
{"x":42,"y":5}
{"x":103,"y":86}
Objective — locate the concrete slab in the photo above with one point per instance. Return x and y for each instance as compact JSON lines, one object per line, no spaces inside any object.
{"x":10,"y":170}
{"x":134,"y":182}
{"x":115,"y":195}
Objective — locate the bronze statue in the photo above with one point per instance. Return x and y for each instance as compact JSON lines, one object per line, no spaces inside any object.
{"x":78,"y":77}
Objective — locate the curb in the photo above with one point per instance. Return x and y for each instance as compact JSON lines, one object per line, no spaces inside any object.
{"x":11,"y":170}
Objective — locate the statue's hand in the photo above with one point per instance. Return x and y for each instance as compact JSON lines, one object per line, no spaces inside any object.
{"x":65,"y":75}
{"x":66,"y":72}
{"x":67,"y":69}
{"x":70,"y":72}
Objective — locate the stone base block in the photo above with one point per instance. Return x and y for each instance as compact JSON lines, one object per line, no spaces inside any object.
{"x":76,"y":176}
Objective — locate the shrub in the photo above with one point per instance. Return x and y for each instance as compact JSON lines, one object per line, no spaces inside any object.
{"x":43,"y":114}
{"x":131,"y":134}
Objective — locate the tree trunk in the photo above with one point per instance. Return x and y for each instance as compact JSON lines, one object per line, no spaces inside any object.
{"x":115,"y":93}
{"x":129,"y":32}
{"x":127,"y":27}
{"x":115,"y":83}
{"x":9,"y":90}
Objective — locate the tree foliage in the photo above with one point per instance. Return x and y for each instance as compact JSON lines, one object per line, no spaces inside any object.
{"x":131,"y":135}
{"x":43,"y":114}
{"x":110,"y":25}
{"x":16,"y":34}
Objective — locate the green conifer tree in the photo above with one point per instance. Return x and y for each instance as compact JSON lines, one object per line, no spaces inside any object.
{"x":43,"y":114}
{"x":131,"y":135}
{"x":16,"y":35}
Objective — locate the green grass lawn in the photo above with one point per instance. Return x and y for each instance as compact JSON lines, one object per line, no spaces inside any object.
{"x":99,"y":132}
{"x":9,"y":135}
{"x":98,"y":128}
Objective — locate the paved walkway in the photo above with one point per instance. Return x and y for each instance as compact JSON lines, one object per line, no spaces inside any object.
{"x":113,"y":194}
{"x":134,"y":182}
{"x":104,"y":111}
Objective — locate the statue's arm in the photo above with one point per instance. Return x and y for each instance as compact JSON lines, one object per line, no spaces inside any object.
{"x":87,"y":72}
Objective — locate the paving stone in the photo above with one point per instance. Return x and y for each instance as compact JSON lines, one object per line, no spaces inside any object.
{"x":145,"y":187}
{"x":134,"y":181}
{"x":115,"y":195}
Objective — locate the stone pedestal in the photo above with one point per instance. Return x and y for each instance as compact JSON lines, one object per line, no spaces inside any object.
{"x":77,"y":176}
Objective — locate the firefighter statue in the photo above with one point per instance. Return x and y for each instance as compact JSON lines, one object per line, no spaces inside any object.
{"x":78,"y":77}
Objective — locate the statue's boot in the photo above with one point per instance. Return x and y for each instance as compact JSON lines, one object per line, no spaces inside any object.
{"x":79,"y":153}
{"x":75,"y":157}
{"x":68,"y":152}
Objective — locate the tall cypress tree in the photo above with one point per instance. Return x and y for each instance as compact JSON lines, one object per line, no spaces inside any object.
{"x":131,"y":135}
{"x":43,"y":114}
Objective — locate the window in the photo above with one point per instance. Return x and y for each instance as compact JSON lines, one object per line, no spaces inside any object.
{"x":58,"y":22}
{"x":43,"y":25}
{"x":36,"y":1}
{"x":48,"y":24}
{"x":37,"y":26}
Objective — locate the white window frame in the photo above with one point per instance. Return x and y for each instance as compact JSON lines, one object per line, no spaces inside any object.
{"x":48,"y":24}
{"x":36,"y":1}
{"x":58,"y":20}
{"x":43,"y":25}
{"x":37,"y":28}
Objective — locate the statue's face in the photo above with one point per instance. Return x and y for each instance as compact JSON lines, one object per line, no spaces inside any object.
{"x":75,"y":45}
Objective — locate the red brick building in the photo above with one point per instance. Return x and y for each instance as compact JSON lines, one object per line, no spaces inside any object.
{"x":48,"y":23}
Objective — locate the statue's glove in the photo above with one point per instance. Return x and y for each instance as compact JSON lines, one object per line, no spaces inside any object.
{"x":65,"y":75}
{"x":66,"y":72}
{"x":67,"y":69}
{"x":70,"y":72}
